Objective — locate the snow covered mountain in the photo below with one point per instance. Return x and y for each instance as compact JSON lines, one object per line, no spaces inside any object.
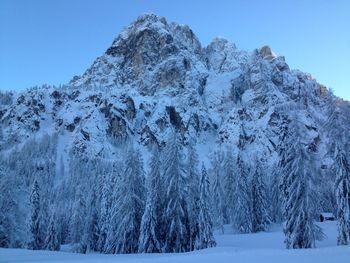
{"x":155,"y":78}
{"x":156,"y":75}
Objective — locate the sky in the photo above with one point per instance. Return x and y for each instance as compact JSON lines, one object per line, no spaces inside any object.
{"x":50,"y":41}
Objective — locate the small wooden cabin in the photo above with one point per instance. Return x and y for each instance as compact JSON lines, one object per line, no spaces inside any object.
{"x":327,"y":217}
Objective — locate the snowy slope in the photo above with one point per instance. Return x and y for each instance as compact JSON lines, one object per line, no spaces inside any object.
{"x":250,"y":248}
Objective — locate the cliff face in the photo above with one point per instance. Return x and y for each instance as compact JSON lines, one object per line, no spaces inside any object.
{"x":156,"y":77}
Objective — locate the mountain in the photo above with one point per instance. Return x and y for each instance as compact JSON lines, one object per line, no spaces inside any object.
{"x":154,"y":79}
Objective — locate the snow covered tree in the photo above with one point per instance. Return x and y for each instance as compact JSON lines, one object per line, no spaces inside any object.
{"x":260,"y":212}
{"x":275,"y":182}
{"x":339,"y":138}
{"x":148,"y":241}
{"x":342,"y":187}
{"x":205,"y":236}
{"x":78,"y":220}
{"x":229,"y":187}
{"x":275,"y":196}
{"x":175,"y":214}
{"x":337,"y":124}
{"x":104,"y":211}
{"x":9,"y":225}
{"x":51,"y":241}
{"x":127,"y":207}
{"x":35,"y":239}
{"x":61,"y":208}
{"x":192,"y":192}
{"x":217,"y":191}
{"x":300,"y":229}
{"x":92,"y":225}
{"x":242,"y":219}
{"x":90,"y":228}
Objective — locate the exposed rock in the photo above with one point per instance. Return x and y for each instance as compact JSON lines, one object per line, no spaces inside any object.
{"x":85,"y":134}
{"x":117,"y":128}
{"x":77,"y":120}
{"x":131,"y":110}
{"x":267,"y":53}
{"x":174,"y":117}
{"x":70,"y":127}
{"x":277,"y":77}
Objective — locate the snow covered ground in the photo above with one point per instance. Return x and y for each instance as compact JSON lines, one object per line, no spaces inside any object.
{"x":260,"y":247}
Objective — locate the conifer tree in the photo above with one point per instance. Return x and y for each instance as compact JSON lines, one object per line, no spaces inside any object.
{"x":192,"y":193}
{"x":35,"y":241}
{"x":342,"y":187}
{"x":51,"y":241}
{"x":127,"y":207}
{"x":300,"y":229}
{"x":149,"y":241}
{"x":242,"y":220}
{"x":260,"y":214}
{"x":339,"y":138}
{"x":92,"y":226}
{"x":275,"y":196}
{"x":77,"y":224}
{"x":205,"y":236}
{"x":8,"y":207}
{"x":104,"y":211}
{"x":217,"y":191}
{"x":176,"y":215}
{"x":230,"y":187}
{"x":276,"y":184}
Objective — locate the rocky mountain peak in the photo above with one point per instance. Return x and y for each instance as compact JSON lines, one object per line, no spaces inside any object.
{"x":149,"y":50}
{"x":149,"y":18}
{"x":144,"y":29}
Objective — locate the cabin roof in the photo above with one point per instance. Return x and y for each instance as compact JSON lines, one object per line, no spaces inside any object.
{"x":327,"y":214}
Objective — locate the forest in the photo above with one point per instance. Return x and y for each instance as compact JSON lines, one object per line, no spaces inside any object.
{"x":174,"y":201}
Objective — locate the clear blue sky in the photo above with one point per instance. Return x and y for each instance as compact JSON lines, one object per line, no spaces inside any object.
{"x":49,"y":41}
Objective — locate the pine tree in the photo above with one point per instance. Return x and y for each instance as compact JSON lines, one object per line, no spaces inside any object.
{"x":260,"y":214}
{"x":148,"y":241}
{"x":77,"y":223}
{"x":342,"y":187}
{"x":337,"y":124}
{"x":104,"y":211}
{"x":205,"y":236}
{"x":242,"y":220}
{"x":275,"y":196}
{"x":127,"y":207}
{"x":300,"y":229}
{"x":276,"y":185}
{"x":108,"y":190}
{"x":51,"y":241}
{"x":35,"y":241}
{"x":92,"y":226}
{"x":339,"y":138}
{"x":230,"y":187}
{"x":192,"y":193}
{"x":175,"y":215}
{"x":8,"y":208}
{"x":217,"y":191}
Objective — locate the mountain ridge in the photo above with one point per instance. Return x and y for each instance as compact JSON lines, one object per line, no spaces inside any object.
{"x":152,"y":57}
